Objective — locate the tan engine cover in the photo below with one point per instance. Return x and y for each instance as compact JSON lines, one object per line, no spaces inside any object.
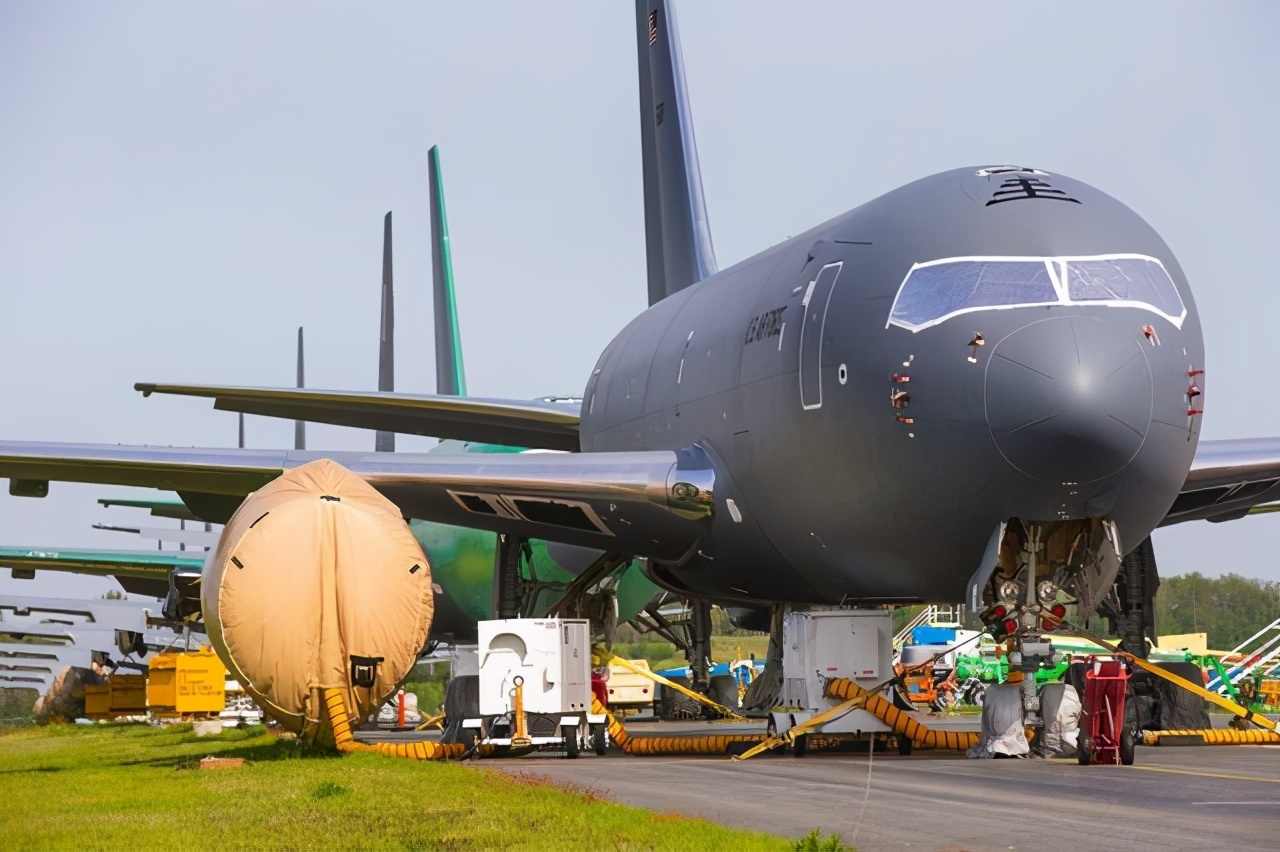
{"x":311,"y":569}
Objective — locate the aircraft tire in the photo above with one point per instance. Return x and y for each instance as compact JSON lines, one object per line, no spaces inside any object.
{"x":724,"y":691}
{"x":570,"y":735}
{"x":1126,"y":747}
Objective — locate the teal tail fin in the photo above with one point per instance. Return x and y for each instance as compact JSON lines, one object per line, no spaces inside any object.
{"x":450,"y":376}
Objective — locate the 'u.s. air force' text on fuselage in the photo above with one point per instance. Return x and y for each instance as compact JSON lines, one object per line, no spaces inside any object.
{"x":768,"y":324}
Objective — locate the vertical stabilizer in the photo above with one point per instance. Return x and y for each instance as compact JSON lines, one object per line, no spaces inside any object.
{"x":300,"y":427}
{"x":677,"y":233}
{"x":450,"y":378}
{"x":385,"y":442}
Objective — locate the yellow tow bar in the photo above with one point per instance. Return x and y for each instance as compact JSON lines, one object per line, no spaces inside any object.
{"x":520,"y":739}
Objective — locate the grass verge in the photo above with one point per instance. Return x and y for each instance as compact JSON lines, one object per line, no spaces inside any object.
{"x":138,"y":787}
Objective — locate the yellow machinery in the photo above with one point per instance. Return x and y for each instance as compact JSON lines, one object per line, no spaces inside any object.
{"x":121,"y":695}
{"x":187,"y":685}
{"x":1269,"y":692}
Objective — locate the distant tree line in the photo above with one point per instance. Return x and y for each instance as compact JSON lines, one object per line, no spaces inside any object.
{"x":1229,"y":608}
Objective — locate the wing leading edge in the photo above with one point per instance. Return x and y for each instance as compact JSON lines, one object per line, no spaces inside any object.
{"x":656,"y":503}
{"x":538,"y":424}
{"x":1227,"y":480}
{"x":159,"y":507}
{"x":143,"y":572}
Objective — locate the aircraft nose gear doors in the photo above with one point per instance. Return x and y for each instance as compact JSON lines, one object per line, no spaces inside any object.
{"x":817,"y":298}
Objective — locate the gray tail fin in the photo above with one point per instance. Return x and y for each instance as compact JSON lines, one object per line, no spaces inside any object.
{"x":450,"y":376}
{"x":299,"y":426}
{"x":677,"y":233}
{"x":385,"y":442}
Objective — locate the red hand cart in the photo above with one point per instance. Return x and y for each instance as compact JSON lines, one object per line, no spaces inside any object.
{"x":1103,"y":735}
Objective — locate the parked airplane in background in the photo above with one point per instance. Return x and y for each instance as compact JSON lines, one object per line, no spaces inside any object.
{"x":462,"y":559}
{"x":986,"y":385}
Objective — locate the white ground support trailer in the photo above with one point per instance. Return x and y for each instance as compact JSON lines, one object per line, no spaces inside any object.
{"x":549,"y":660}
{"x":822,"y":644}
{"x":240,"y":709}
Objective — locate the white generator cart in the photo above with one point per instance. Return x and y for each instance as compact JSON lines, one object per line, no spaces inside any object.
{"x":838,"y":643}
{"x":535,"y":686}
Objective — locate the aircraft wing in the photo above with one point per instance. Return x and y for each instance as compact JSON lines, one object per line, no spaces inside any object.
{"x":140,"y":572}
{"x":656,"y":503}
{"x":540,"y":424}
{"x":1228,"y":479}
{"x":160,"y":507}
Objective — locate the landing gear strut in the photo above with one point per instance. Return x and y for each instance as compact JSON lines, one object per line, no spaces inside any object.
{"x":518,"y":593}
{"x":700,"y":644}
{"x":508,"y":580}
{"x":1043,"y":566}
{"x":1137,"y":585}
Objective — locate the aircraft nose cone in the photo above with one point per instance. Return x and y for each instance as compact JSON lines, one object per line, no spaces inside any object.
{"x":1069,"y":399}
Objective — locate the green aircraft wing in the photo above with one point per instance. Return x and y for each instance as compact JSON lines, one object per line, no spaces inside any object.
{"x":144,"y":572}
{"x":159,"y":507}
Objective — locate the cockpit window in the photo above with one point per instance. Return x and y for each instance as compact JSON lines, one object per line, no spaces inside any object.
{"x":1123,"y":279}
{"x":933,"y":293}
{"x":936,"y":291}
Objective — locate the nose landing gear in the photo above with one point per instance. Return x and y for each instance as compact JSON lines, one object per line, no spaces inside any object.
{"x":1044,"y":569}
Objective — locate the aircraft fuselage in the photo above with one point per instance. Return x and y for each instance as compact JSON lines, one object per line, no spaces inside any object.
{"x":1049,"y":395}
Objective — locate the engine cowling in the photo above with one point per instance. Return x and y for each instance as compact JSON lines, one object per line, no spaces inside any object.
{"x":317,"y":583}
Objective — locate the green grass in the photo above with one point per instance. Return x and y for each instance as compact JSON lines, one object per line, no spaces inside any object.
{"x":137,"y":787}
{"x":16,"y":706}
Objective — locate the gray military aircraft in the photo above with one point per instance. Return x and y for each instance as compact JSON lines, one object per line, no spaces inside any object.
{"x":986,"y":385}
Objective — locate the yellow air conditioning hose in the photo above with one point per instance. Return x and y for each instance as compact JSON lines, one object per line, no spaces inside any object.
{"x":340,"y":721}
{"x":900,"y":720}
{"x":1229,"y":736}
{"x":710,"y":744}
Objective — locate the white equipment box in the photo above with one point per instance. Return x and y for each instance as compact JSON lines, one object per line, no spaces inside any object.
{"x":553,"y":655}
{"x":818,"y":645}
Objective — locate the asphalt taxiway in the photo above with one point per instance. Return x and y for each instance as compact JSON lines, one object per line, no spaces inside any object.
{"x":1173,"y":798}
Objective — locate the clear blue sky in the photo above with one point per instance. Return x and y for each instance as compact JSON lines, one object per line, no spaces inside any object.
{"x":183,"y":184}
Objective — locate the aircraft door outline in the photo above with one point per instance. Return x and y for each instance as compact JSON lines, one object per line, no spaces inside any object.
{"x":817,"y":298}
